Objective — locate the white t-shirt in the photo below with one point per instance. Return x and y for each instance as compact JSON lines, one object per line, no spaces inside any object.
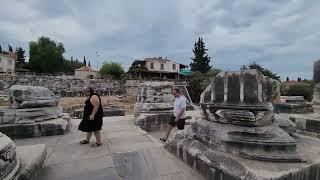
{"x":180,"y":103}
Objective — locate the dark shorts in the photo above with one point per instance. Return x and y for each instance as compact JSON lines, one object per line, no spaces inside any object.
{"x":180,"y":124}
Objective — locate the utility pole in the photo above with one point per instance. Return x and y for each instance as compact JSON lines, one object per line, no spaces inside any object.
{"x":97,"y":61}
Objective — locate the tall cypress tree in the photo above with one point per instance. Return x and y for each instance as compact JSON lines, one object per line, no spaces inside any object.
{"x":200,"y":60}
{"x":20,"y":56}
{"x":10,"y":48}
{"x":0,"y":49}
{"x":89,"y":64}
{"x":84,"y":60}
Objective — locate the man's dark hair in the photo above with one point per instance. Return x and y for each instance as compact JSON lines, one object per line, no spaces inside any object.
{"x":177,"y":90}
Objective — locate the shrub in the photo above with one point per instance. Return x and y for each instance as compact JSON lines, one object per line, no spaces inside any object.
{"x":301,"y":90}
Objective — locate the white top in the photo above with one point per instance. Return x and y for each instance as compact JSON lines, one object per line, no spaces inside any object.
{"x":180,"y":103}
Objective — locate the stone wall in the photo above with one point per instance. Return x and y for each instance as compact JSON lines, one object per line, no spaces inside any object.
{"x":61,"y":85}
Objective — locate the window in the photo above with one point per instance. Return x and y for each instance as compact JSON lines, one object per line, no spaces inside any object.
{"x":9,"y":61}
{"x":162,"y":67}
{"x":151,"y":65}
{"x":0,"y":60}
{"x":174,"y":66}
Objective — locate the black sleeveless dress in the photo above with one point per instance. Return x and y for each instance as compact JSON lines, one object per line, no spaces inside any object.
{"x":87,"y":125}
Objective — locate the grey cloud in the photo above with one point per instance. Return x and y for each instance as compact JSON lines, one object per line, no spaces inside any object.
{"x":279,"y":34}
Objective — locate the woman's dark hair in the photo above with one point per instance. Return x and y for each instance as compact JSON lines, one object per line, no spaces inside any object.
{"x":91,"y":90}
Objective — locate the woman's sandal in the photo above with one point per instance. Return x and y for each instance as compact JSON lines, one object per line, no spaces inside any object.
{"x":96,"y":145}
{"x":163,"y":139}
{"x":84,"y":142}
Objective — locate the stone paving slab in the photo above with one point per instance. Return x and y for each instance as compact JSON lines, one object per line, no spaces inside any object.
{"x":127,"y":153}
{"x":32,"y":159}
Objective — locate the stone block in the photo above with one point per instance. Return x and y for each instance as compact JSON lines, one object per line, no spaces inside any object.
{"x":31,"y":97}
{"x":32,"y":159}
{"x":218,"y":165}
{"x":9,"y":162}
{"x":47,"y":128}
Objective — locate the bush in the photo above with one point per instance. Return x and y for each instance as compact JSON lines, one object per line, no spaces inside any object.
{"x":196,"y":86}
{"x":112,"y":69}
{"x":300,"y":90}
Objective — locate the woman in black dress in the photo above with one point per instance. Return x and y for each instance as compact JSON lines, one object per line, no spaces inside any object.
{"x":92,"y":117}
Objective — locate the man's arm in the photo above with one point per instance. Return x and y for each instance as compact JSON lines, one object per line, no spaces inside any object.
{"x":96,"y":103}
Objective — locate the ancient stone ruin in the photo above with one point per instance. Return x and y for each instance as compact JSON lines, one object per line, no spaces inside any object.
{"x":16,"y":163}
{"x":33,"y":111}
{"x":62,"y":85}
{"x":155,"y":104}
{"x":316,"y":92}
{"x":238,"y":134}
{"x":295,"y":105}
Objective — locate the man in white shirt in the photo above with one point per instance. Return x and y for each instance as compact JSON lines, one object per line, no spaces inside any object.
{"x":178,"y":115}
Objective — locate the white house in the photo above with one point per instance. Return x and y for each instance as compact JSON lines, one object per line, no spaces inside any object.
{"x":85,"y":72}
{"x":159,"y":67}
{"x":7,"y":63}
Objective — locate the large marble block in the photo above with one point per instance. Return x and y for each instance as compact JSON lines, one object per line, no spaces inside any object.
{"x":21,"y":96}
{"x":9,"y":162}
{"x":238,"y":138}
{"x":20,"y":163}
{"x":241,"y":98}
{"x":155,"y":99}
{"x":33,"y":111}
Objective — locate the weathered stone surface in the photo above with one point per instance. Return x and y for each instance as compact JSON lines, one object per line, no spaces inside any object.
{"x":218,"y":165}
{"x":155,"y":104}
{"x":78,"y":113}
{"x":31,"y":97}
{"x":243,"y":123}
{"x":294,"y":105}
{"x":62,"y":85}
{"x":286,"y":124}
{"x":307,"y":122}
{"x":295,"y":108}
{"x":316,"y":92}
{"x":21,"y":116}
{"x":236,"y":135}
{"x":35,"y":129}
{"x":268,"y":143}
{"x":32,"y":159}
{"x":9,"y":162}
{"x":151,"y":122}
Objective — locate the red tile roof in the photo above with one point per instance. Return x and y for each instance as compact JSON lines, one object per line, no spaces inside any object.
{"x":86,"y":68}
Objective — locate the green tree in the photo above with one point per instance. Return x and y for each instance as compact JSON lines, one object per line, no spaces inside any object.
{"x":89,"y":64}
{"x":112,"y":69}
{"x":70,"y":65}
{"x":46,"y":56}
{"x":263,"y":70}
{"x":199,"y":81}
{"x":0,"y":49}
{"x":21,"y":58}
{"x":201,"y":60}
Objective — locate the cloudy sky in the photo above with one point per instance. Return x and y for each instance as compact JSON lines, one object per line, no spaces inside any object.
{"x":282,"y":35}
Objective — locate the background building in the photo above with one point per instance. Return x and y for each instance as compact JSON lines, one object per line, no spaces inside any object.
{"x":7,"y":62}
{"x":86,"y":72}
{"x":156,"y":67}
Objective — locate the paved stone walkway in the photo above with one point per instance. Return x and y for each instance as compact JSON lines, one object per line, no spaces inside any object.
{"x":127,"y":153}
